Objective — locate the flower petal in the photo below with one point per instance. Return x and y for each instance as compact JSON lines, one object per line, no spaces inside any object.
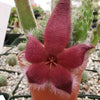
{"x":61,"y":78}
{"x":57,"y":31}
{"x":74,"y":56}
{"x":35,"y":51}
{"x":37,"y":73}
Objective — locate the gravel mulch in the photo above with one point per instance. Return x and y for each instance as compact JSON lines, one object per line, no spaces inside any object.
{"x":90,"y":87}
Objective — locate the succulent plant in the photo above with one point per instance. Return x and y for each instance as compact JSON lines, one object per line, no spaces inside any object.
{"x":3,"y":80}
{"x":84,"y":76}
{"x":13,"y":17}
{"x":82,"y":22}
{"x":21,"y":46}
{"x":96,"y":35}
{"x":37,"y":11}
{"x":11,"y":59}
{"x":53,"y":60}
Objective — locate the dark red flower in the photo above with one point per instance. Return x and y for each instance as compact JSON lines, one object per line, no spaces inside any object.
{"x":51,"y":62}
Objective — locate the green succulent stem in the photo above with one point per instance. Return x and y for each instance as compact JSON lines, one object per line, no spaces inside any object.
{"x":3,"y":80}
{"x":26,"y":15}
{"x":96,"y":35}
{"x":82,"y":22}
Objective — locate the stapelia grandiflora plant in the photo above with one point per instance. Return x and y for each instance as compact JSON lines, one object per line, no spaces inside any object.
{"x":52,"y":64}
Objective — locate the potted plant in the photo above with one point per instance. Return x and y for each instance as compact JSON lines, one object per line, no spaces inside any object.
{"x":53,"y":71}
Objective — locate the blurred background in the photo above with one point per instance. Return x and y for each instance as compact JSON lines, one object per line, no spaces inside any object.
{"x":45,"y":4}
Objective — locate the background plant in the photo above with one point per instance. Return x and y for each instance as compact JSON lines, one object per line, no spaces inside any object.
{"x":3,"y":80}
{"x":38,"y":32}
{"x":21,"y":46}
{"x":84,"y":76}
{"x":81,"y":21}
{"x":13,"y":17}
{"x":11,"y":59}
{"x":38,"y":11}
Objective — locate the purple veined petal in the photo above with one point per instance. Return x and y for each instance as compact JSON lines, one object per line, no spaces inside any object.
{"x":73,"y":57}
{"x":57,"y":31}
{"x":37,"y":73}
{"x":61,"y":78}
{"x":34,"y":51}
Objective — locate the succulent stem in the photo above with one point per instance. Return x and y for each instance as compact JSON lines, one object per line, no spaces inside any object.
{"x":26,"y":15}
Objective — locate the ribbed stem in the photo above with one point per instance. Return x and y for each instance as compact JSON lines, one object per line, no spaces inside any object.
{"x":26,"y":15}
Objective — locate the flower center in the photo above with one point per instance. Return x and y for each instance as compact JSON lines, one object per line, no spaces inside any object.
{"x":52,"y":61}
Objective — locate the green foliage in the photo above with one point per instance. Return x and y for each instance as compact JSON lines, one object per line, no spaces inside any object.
{"x":95,"y":38}
{"x":96,"y":35}
{"x":39,"y":32}
{"x":37,"y":10}
{"x":3,"y":80}
{"x":11,"y":59}
{"x":22,"y":46}
{"x":98,"y":30}
{"x":82,"y":22}
{"x":84,"y":76}
{"x":13,"y":17}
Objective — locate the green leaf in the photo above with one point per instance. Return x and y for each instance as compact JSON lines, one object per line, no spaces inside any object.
{"x":98,"y":30}
{"x":95,"y":40}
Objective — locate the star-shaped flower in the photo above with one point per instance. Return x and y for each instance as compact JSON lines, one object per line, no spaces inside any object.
{"x":52,"y":62}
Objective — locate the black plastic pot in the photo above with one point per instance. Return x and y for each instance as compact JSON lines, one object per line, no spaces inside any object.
{"x":95,"y":13}
{"x":10,"y":38}
{"x":94,"y":25}
{"x":6,"y":96}
{"x":95,"y":20}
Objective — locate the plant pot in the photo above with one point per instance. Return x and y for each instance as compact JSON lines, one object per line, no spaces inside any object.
{"x":47,"y":93}
{"x":6,"y":96}
{"x":10,"y":38}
